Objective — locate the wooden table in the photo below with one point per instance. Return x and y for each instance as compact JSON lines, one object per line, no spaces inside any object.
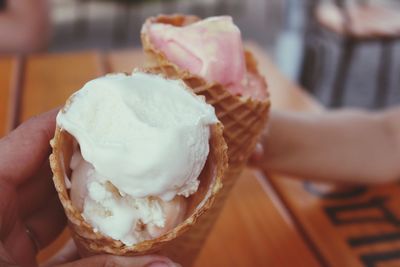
{"x":274,"y":221}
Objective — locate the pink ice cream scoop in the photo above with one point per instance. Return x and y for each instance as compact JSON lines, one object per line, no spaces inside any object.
{"x":211,"y":48}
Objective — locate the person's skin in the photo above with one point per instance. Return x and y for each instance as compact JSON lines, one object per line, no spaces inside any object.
{"x":31,"y":215}
{"x":350,"y":146}
{"x":24,"y":26}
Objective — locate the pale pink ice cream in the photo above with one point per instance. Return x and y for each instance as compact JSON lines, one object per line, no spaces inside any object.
{"x":211,"y":48}
{"x":84,"y":174}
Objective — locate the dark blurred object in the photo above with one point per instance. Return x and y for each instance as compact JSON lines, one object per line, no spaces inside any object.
{"x":114,"y":24}
{"x":132,"y":2}
{"x":124,"y":17}
{"x":2,"y":4}
{"x":355,"y":24}
{"x":95,"y":24}
{"x":121,"y":19}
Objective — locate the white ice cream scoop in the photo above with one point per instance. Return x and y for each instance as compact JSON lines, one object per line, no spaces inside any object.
{"x":143,"y":141}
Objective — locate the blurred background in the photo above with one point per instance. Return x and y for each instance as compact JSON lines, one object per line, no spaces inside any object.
{"x":345,"y":52}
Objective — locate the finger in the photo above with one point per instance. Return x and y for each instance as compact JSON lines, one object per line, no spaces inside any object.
{"x":46,"y":224}
{"x":28,"y":145}
{"x":20,"y":246}
{"x":8,"y":206}
{"x":5,"y":258}
{"x":66,"y":254}
{"x":108,"y":260}
{"x":36,"y":192}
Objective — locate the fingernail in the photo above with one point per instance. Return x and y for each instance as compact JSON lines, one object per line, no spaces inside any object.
{"x":159,"y":264}
{"x":163,"y":264}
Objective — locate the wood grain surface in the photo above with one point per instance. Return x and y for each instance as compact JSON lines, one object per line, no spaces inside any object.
{"x":253,"y":230}
{"x":348,"y":226}
{"x":6,"y":76}
{"x":125,"y":60}
{"x":49,"y":79}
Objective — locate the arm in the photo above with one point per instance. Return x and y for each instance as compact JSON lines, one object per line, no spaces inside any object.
{"x":24,"y":26}
{"x":339,"y":146}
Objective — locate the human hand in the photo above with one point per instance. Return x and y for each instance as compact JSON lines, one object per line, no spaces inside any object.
{"x":70,"y":255}
{"x":31,"y":215}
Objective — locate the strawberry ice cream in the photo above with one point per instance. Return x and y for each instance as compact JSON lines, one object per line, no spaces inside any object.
{"x":211,"y":48}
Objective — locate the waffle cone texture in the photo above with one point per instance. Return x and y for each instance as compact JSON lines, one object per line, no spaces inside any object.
{"x":90,"y":242}
{"x":244,"y":121}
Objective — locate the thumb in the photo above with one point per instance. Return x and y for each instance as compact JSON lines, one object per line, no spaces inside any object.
{"x":28,"y":146}
{"x":118,"y":261}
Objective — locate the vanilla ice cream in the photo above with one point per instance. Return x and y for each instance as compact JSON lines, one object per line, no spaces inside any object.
{"x":211,"y":48}
{"x":143,"y":141}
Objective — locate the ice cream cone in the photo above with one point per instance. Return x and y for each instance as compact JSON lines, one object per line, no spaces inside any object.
{"x":243,"y":118}
{"x":91,"y":242}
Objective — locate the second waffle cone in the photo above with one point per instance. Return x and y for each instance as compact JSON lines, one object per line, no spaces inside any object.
{"x":244,"y":120}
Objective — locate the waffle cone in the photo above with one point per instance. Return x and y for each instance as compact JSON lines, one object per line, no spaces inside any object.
{"x":244,"y":119}
{"x":90,"y":242}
